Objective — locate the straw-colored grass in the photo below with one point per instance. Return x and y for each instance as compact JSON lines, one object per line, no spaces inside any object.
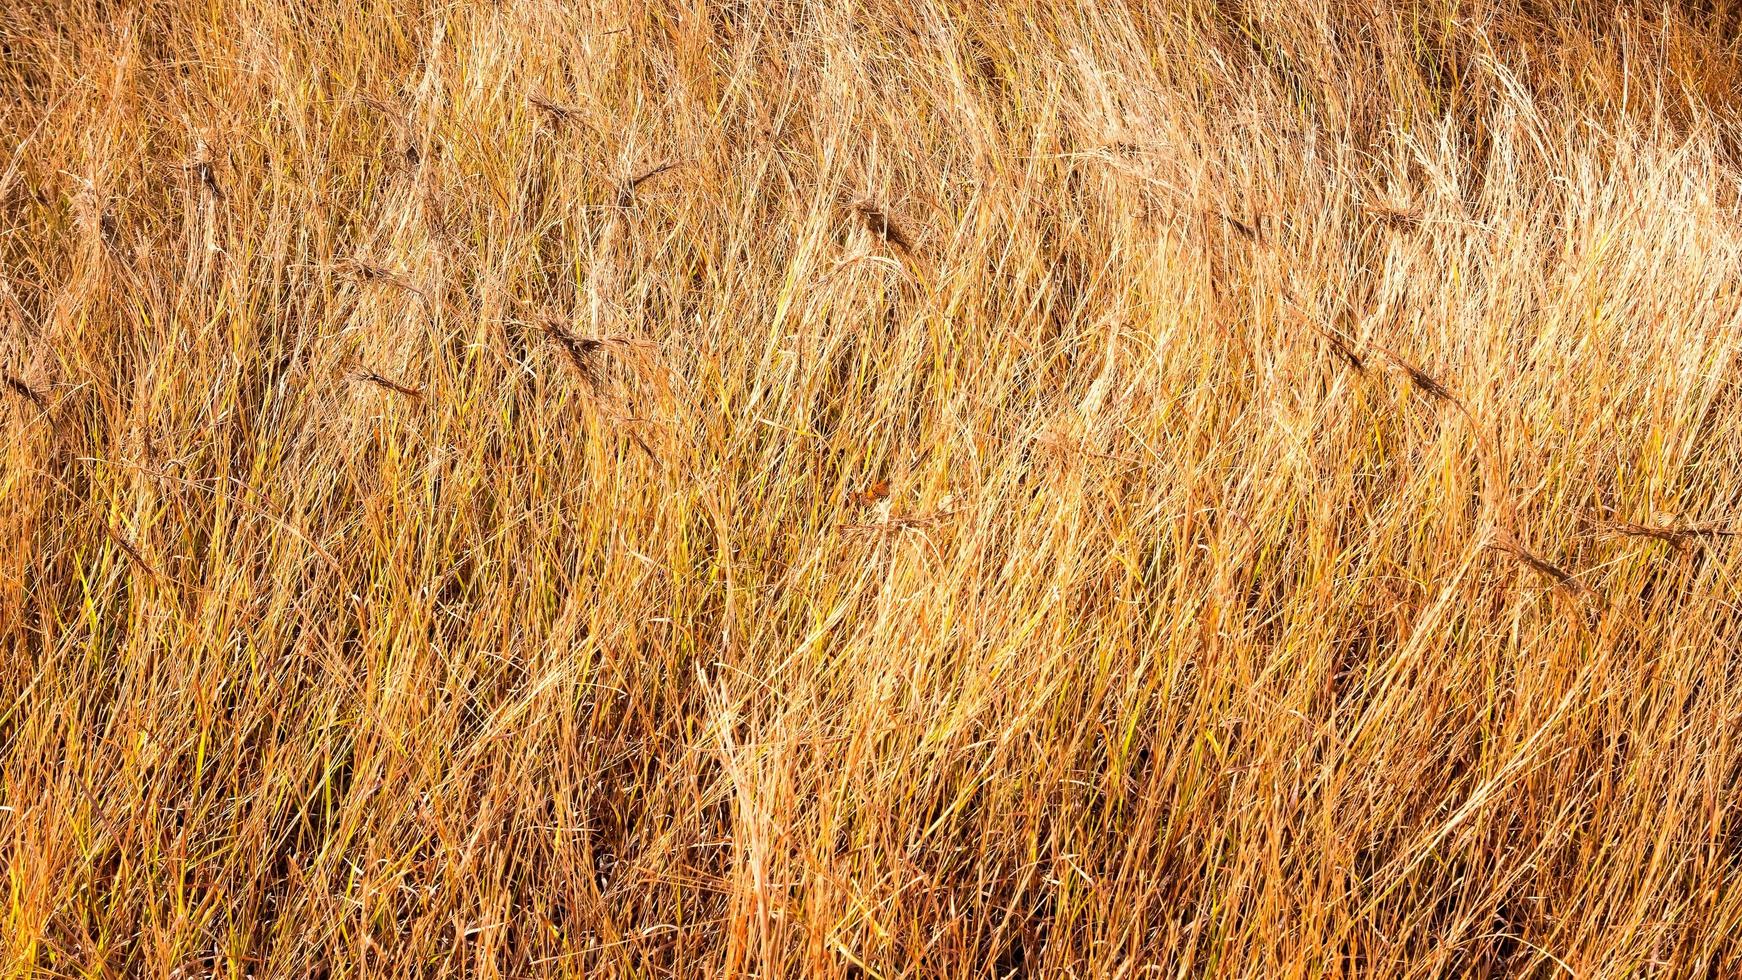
{"x":900,"y":488}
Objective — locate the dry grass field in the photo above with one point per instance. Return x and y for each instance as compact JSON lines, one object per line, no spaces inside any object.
{"x":888,"y":488}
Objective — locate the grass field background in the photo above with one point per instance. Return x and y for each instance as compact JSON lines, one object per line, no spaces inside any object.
{"x":898,"y":488}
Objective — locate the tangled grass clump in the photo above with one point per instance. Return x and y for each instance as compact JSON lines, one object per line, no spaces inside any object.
{"x":888,"y":489}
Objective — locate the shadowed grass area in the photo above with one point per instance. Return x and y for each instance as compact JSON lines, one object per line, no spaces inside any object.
{"x":876,"y":489}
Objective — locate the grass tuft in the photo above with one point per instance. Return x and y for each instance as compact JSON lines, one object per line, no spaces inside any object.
{"x":891,"y":489}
